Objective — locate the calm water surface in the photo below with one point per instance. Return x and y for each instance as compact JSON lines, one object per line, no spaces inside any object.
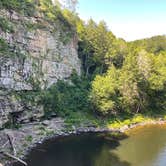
{"x":144,"y":146}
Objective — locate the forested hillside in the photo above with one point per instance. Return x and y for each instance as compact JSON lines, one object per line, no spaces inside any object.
{"x":118,"y":78}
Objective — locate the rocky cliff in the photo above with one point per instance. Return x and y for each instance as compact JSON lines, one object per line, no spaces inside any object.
{"x":35,"y":51}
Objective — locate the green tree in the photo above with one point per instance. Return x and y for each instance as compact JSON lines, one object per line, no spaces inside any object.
{"x":104,"y":92}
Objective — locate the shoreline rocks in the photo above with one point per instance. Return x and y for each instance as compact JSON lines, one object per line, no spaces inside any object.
{"x":30,"y":135}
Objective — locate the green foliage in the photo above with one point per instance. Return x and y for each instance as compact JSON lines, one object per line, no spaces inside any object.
{"x":28,"y":97}
{"x":4,"y":47}
{"x":117,"y":53}
{"x":26,"y":7}
{"x":104,"y":90}
{"x":98,"y":47}
{"x":29,"y":138}
{"x":157,"y":77}
{"x":10,"y":125}
{"x":156,"y":44}
{"x":35,"y":83}
{"x":31,"y":26}
{"x":64,"y":98}
{"x":95,"y":43}
{"x":54,"y":14}
{"x":138,"y":118}
{"x":6,"y":26}
{"x":139,"y":85}
{"x":6,"y":50}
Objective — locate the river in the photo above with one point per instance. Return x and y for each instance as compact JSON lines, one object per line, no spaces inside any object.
{"x":142,"y":146}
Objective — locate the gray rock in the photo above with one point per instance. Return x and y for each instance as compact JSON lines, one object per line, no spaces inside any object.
{"x":43,"y":59}
{"x":46,"y":122}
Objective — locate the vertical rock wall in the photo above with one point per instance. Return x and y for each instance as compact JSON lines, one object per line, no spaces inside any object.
{"x":36,"y":51}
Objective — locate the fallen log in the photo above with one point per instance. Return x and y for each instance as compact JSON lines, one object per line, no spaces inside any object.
{"x":11,"y":144}
{"x":13,"y":157}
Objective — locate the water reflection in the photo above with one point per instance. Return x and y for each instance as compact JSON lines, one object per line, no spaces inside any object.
{"x":143,"y":147}
{"x":85,"y":150}
{"x":109,"y":159}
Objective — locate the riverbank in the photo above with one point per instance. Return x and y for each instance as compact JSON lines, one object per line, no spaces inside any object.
{"x":138,"y":120}
{"x":30,"y":135}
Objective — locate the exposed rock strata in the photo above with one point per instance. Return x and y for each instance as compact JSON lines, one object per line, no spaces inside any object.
{"x":39,"y":53}
{"x":43,"y":54}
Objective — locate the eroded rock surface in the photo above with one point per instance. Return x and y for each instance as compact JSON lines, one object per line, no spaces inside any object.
{"x":36,"y":53}
{"x":41,"y":53}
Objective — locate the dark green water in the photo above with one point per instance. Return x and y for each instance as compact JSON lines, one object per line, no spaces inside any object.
{"x":142,"y":147}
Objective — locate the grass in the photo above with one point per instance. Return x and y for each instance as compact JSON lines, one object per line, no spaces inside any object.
{"x":87,"y":119}
{"x":29,"y":138}
{"x":6,"y":25}
{"x":43,"y":131}
{"x":116,"y":124}
{"x":79,"y":118}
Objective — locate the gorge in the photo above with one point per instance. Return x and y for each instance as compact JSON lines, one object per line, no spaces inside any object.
{"x":66,"y":82}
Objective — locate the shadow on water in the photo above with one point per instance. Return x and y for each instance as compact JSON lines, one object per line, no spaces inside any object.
{"x":84,"y":150}
{"x":106,"y":157}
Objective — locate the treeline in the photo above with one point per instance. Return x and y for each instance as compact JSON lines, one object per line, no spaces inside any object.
{"x":138,"y":86}
{"x":126,"y":76}
{"x":98,"y":46}
{"x":118,"y":77}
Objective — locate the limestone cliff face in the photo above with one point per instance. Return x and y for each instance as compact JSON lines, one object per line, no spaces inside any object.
{"x":36,"y":52}
{"x":43,"y":54}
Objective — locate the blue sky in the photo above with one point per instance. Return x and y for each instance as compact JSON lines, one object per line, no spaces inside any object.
{"x":128,"y":19}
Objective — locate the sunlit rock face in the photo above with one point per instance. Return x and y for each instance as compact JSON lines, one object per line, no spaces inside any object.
{"x":44,"y":56}
{"x":37,"y":53}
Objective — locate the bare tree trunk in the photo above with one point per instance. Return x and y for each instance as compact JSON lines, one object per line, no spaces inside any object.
{"x":87,"y":71}
{"x":11,"y":144}
{"x":13,"y":157}
{"x":10,"y":141}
